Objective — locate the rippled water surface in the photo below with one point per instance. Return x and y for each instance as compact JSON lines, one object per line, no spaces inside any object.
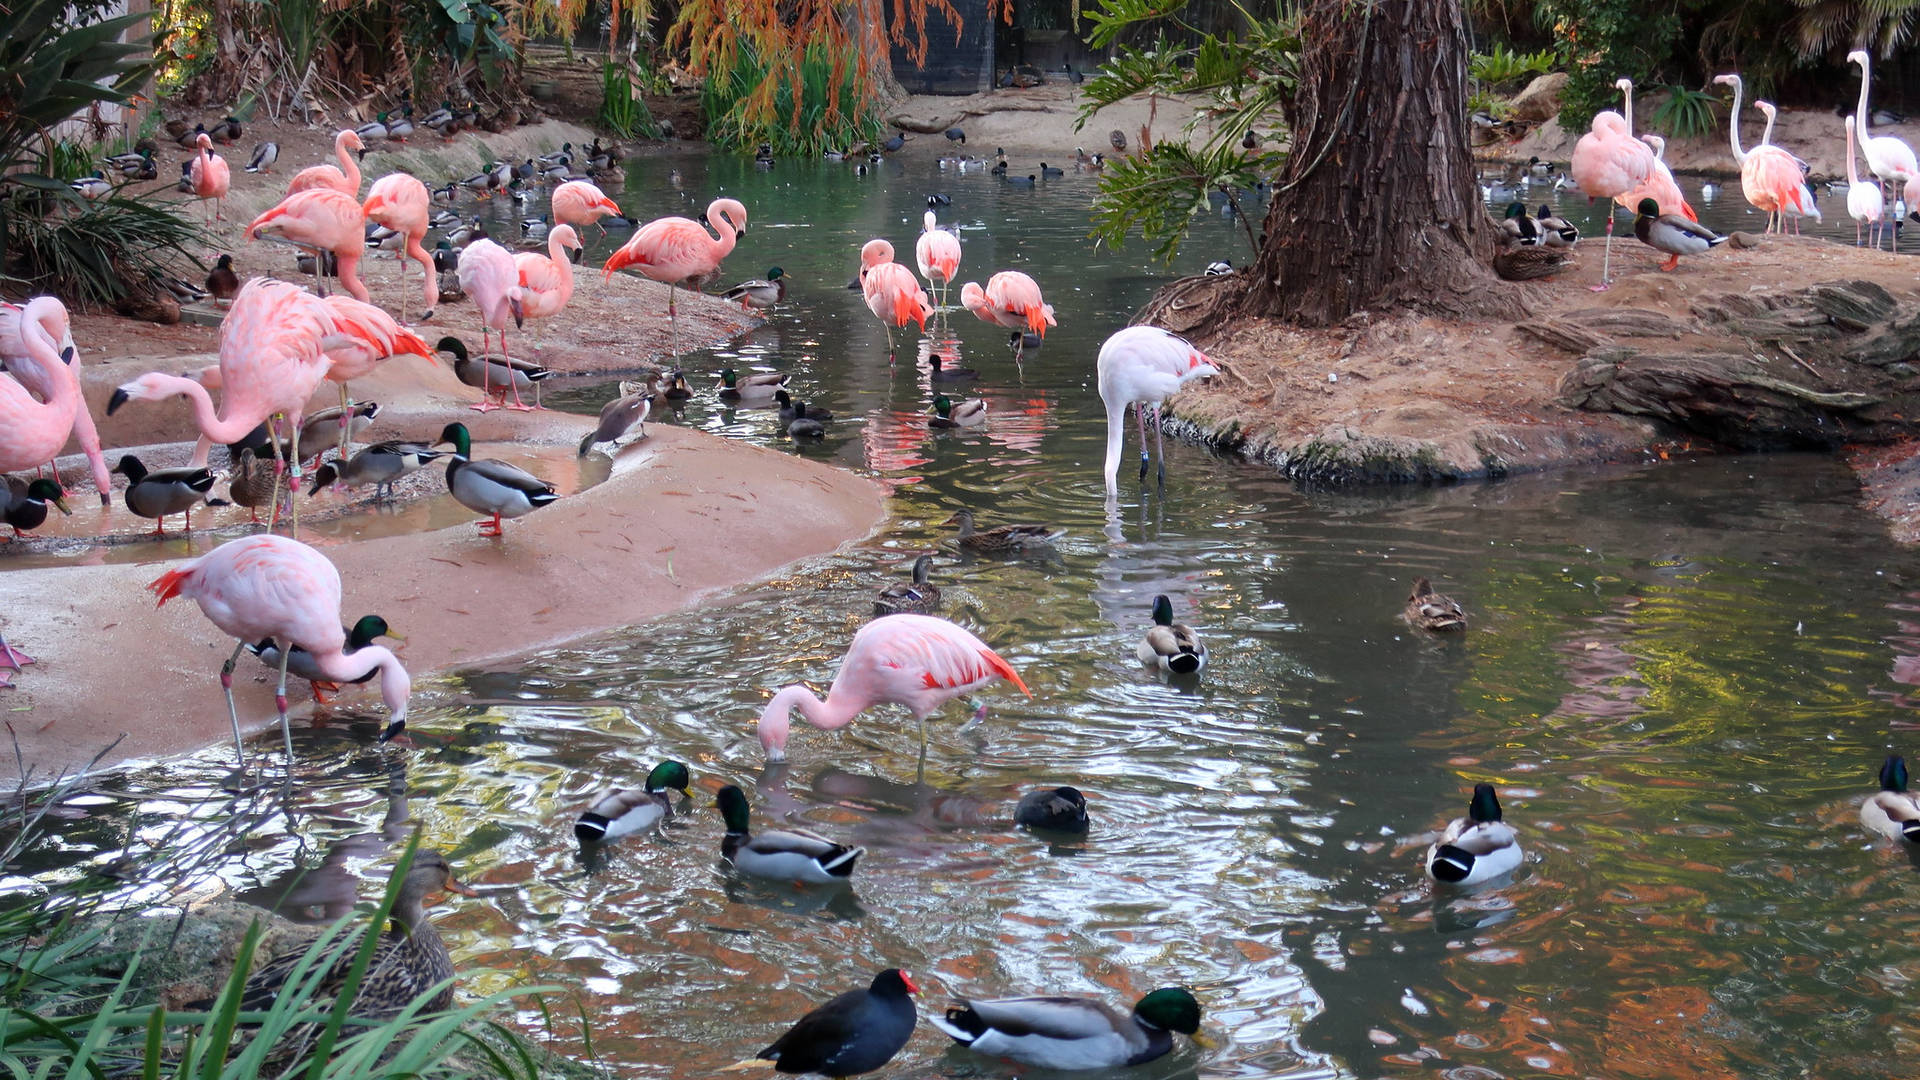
{"x":1681,"y":678}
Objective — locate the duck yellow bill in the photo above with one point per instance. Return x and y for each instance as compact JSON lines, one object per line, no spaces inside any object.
{"x":61,"y":502}
{"x":1201,"y":1040}
{"x":753,"y":1063}
{"x":397,"y":637}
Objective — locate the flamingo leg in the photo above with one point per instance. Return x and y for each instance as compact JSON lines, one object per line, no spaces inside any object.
{"x":486,"y":372}
{"x":346,"y":423}
{"x":673,"y":323}
{"x":279,"y":469}
{"x":233,"y":711}
{"x":11,"y":656}
{"x":513,"y":377}
{"x":1160,"y":445}
{"x":1140,"y":417}
{"x":280,"y":694}
{"x":1606,"y":261}
{"x":293,"y":506}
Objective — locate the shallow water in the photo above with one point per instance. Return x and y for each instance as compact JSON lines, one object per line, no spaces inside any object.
{"x":1682,"y":679}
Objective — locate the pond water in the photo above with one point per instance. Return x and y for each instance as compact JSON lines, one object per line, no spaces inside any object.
{"x":1682,"y":679}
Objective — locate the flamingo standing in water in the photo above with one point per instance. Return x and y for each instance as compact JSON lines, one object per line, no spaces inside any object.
{"x":918,"y":661}
{"x":546,"y":281}
{"x":345,"y":179}
{"x":581,"y":203}
{"x":401,"y":203}
{"x":1790,"y":181}
{"x":25,"y":367}
{"x":1865,"y":204}
{"x":892,"y":293}
{"x":273,"y":587}
{"x":320,"y":220}
{"x":209,"y":175}
{"x":938,"y":253}
{"x":1607,"y":163}
{"x":1768,"y":174}
{"x":1011,"y":300}
{"x":271,"y":362}
{"x":488,"y":274}
{"x":1887,"y":157}
{"x":1143,"y":366}
{"x":676,"y":249}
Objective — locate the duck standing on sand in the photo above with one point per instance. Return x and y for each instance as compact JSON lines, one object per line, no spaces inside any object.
{"x":491,"y":487}
{"x":1672,"y":234}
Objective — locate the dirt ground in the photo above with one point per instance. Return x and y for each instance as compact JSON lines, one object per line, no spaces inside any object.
{"x":1408,"y":398}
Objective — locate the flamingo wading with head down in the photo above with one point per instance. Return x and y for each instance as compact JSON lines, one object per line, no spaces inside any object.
{"x":273,"y":587}
{"x":676,"y":249}
{"x":1011,"y":301}
{"x":1142,"y":366}
{"x":918,"y":661}
{"x":892,"y":293}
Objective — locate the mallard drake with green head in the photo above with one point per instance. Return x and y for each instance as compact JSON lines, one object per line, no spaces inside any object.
{"x":946,"y":414}
{"x":791,"y":410}
{"x":381,"y":464}
{"x":301,"y":663}
{"x":1430,"y":610}
{"x":1171,"y":646}
{"x":1556,"y":231}
{"x":1517,"y":228}
{"x":1672,"y":234}
{"x":1072,"y":1033}
{"x":161,"y":493}
{"x":27,"y":503}
{"x":751,"y":388}
{"x":761,"y":293}
{"x":488,"y":486}
{"x":1477,"y":848}
{"x":1893,"y":811}
{"x":409,"y":962}
{"x":623,"y":811}
{"x":1061,"y":810}
{"x":916,"y":596}
{"x":782,"y":855}
{"x":1002,"y":537}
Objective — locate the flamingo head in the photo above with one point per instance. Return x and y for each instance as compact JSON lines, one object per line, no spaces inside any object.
{"x":203,"y":141}
{"x":972,"y":296}
{"x":153,"y":386}
{"x":733,"y":212}
{"x":516,"y":302}
{"x":1728,"y":80}
{"x":565,"y":237}
{"x":352,"y":141}
{"x":929,"y":223}
{"x":1623,"y":84}
{"x":874,"y":253}
{"x":1858,"y":56}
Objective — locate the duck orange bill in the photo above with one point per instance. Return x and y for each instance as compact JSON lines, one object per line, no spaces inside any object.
{"x":463,"y":890}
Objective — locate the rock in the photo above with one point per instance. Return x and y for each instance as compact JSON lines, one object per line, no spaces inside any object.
{"x":1540,"y":101}
{"x":1744,"y":240}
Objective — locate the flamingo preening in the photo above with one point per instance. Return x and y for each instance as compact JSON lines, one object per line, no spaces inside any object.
{"x":320,"y":220}
{"x":1011,"y":301}
{"x":489,"y":276}
{"x":1865,"y":202}
{"x":937,"y":251}
{"x":401,"y":203}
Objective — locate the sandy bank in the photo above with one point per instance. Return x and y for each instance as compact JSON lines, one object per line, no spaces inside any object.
{"x":683,"y":516}
{"x":1036,"y":123}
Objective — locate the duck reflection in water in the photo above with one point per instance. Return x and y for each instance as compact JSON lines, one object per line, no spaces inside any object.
{"x":327,"y":892}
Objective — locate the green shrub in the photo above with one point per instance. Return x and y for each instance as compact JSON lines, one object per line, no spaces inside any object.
{"x":824,"y":108}
{"x":1505,"y":69}
{"x":1686,"y":114}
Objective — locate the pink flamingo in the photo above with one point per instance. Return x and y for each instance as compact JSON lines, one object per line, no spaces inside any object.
{"x":1788,"y":180}
{"x":270,"y":364}
{"x":345,"y":179}
{"x":1607,"y":163}
{"x":913,"y":660}
{"x":1768,"y":174}
{"x":400,"y":202}
{"x":209,"y":175}
{"x":23,"y":365}
{"x":1887,"y":157}
{"x":893,"y":294}
{"x":938,"y":252}
{"x":1865,"y":204}
{"x":273,"y":587}
{"x":1659,"y":184}
{"x":32,"y":432}
{"x":546,"y":281}
{"x":581,"y":203}
{"x":674,"y":249}
{"x":488,"y":274}
{"x":364,"y":337}
{"x":317,"y":220}
{"x":1142,"y":366}
{"x":1011,"y":300}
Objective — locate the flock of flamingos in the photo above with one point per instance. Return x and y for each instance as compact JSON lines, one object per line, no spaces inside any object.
{"x":280,"y":341}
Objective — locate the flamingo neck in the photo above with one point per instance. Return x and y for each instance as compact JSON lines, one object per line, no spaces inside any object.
{"x":1766,"y":136}
{"x":1860,"y":111}
{"x":1853,"y":173}
{"x":829,"y":715}
{"x":61,"y":385}
{"x":396,"y":686}
{"x":348,"y":165}
{"x":1627,"y":92}
{"x":213,"y":427}
{"x":1733,"y":123}
{"x":1116,"y":438}
{"x":557,"y":253}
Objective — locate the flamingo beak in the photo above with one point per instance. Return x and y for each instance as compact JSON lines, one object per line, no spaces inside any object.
{"x":393,"y":730}
{"x":119,"y":398}
{"x":519,"y":313}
